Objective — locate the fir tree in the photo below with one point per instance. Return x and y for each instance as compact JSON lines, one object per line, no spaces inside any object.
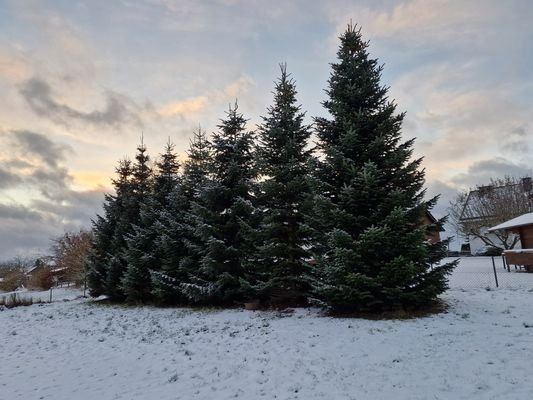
{"x":136,"y":192}
{"x":372,"y":198}
{"x":180,"y":249}
{"x":100,"y":255}
{"x":109,"y":236}
{"x":284,"y":163}
{"x":224,"y":214}
{"x":197,"y":168}
{"x":142,"y":255}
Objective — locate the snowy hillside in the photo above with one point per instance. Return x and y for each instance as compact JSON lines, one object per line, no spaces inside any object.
{"x":81,"y":350}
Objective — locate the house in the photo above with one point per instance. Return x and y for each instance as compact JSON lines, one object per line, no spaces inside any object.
{"x":44,"y":274}
{"x":523,"y":227}
{"x":491,"y":205}
{"x":433,"y":236}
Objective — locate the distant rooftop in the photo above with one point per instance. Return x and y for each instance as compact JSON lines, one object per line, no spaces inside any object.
{"x":486,"y":201}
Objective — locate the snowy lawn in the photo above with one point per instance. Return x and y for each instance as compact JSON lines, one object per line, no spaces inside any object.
{"x":57,"y":294}
{"x":480,"y":349}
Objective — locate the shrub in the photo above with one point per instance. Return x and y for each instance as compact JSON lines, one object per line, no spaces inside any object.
{"x":41,"y":279}
{"x":12,"y":280}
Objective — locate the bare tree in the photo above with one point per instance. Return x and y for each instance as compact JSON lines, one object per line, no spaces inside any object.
{"x":473,"y":212}
{"x":70,"y":254}
{"x":13,"y":272}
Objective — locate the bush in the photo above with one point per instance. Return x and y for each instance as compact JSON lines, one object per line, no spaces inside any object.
{"x":12,"y":281}
{"x":41,"y":279}
{"x":493,"y":251}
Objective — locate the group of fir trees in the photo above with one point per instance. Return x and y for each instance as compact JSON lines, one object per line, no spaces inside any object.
{"x":262,"y":215}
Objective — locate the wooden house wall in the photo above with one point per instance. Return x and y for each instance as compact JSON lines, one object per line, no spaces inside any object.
{"x":526,"y":236}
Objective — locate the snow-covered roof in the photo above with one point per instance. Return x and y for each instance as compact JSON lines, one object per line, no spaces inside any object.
{"x":522,"y":220}
{"x":486,"y":200}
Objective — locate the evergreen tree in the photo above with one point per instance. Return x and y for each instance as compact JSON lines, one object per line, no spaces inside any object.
{"x":372,"y":197}
{"x":142,"y":255}
{"x":224,"y":215}
{"x":284,"y":163}
{"x":180,"y":249}
{"x":135,"y":192}
{"x":197,"y":168}
{"x":108,"y":238}
{"x":101,"y":252}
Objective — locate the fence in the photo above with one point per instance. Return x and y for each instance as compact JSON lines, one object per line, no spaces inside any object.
{"x":489,"y":272}
{"x":28,"y":297}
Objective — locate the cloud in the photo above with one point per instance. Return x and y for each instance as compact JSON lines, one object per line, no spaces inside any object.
{"x":212,"y":98}
{"x":19,"y":212}
{"x":416,"y":23}
{"x":460,"y":116}
{"x":8,"y":179}
{"x":77,"y":209}
{"x":37,"y":162}
{"x":238,"y":87}
{"x":481,"y":172}
{"x":39,"y":145}
{"x":446,"y":191}
{"x":185,"y":107}
{"x":425,"y":20}
{"x":25,"y":237}
{"x":38,"y":94}
{"x":13,"y":66}
{"x":236,"y":16}
{"x":516,"y":141}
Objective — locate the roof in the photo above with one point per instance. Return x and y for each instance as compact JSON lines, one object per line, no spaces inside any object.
{"x":486,"y":201}
{"x":433,"y":220}
{"x":522,"y":220}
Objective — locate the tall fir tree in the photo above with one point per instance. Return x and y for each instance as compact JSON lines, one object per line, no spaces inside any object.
{"x":109,"y":230}
{"x":284,"y":163}
{"x":225,"y":213}
{"x":372,"y":197}
{"x":180,"y":249}
{"x":143,"y":255}
{"x":138,"y":190}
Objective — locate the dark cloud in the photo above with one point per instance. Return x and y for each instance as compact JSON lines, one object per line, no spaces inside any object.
{"x":446,"y":193}
{"x":19,"y":212}
{"x":53,"y":183}
{"x":36,"y":162}
{"x":519,"y":131}
{"x":516,"y":147}
{"x":25,"y":237}
{"x":23,"y":231}
{"x":76,"y":210}
{"x":39,"y":145}
{"x":28,"y":230}
{"x":516,"y":141}
{"x":8,"y":179}
{"x":39,"y":96}
{"x":481,"y":172}
{"x":17,"y":164}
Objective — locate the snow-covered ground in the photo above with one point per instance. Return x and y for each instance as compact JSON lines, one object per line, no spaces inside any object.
{"x":55,"y":294}
{"x":480,"y":349}
{"x":478,"y":272}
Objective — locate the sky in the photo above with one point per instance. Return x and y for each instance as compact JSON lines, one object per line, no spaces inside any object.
{"x":82,"y":81}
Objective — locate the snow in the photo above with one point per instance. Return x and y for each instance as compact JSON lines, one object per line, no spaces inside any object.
{"x":84,"y":349}
{"x":519,"y":251}
{"x":58,"y":294}
{"x":524,"y":219}
{"x":478,"y":272}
